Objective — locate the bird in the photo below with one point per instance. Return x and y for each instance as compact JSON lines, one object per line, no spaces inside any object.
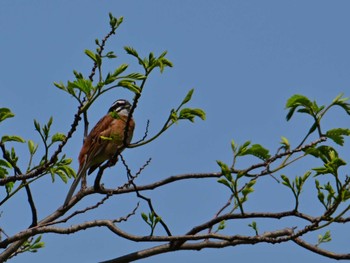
{"x":105,"y":140}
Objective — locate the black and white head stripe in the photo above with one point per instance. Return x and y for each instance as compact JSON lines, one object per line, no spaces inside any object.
{"x":120,"y":105}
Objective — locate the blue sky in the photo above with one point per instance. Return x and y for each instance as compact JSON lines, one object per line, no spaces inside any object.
{"x":243,"y":58}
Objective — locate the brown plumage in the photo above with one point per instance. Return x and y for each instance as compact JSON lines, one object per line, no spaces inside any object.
{"x":104,"y":141}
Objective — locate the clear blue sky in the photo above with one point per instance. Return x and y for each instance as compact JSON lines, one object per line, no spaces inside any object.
{"x":244,"y":59}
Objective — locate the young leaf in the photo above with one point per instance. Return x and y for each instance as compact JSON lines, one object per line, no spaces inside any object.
{"x":12,"y":138}
{"x":286,"y":181}
{"x":242,"y":149}
{"x":221,"y":226}
{"x":135,"y":76}
{"x":258,"y":151}
{"x":84,"y":85}
{"x":37,"y":125}
{"x":173,"y":116}
{"x":111,"y":55}
{"x":324,"y":238}
{"x":60,"y":86}
{"x":109,"y":79}
{"x":58,"y":137}
{"x":190,"y":114}
{"x":255,"y":227}
{"x":225,"y":170}
{"x":233,"y":146}
{"x":120,"y":70}
{"x":188,"y":97}
{"x":294,"y":102}
{"x":162,"y":63}
{"x":5,"y":113}
{"x":9,"y":186}
{"x":131,"y":51}
{"x":144,"y":217}
{"x":130,"y":85}
{"x":224,"y":182}
{"x":299,"y":181}
{"x":4,"y":163}
{"x":337,"y":135}
{"x":32,"y":147}
{"x":285,"y":143}
{"x":90,"y":54}
{"x":342,"y":102}
{"x":247,"y":190}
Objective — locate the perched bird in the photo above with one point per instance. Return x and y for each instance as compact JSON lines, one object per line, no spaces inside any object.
{"x":104,"y":141}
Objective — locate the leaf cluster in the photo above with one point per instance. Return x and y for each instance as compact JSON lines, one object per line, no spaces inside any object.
{"x":151,"y":220}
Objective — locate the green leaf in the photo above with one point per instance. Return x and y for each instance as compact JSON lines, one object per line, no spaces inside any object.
{"x":6,"y":164}
{"x":233,"y":146}
{"x":60,"y":86}
{"x":286,"y":181}
{"x":188,"y":97}
{"x":162,"y":63}
{"x":120,"y":69}
{"x":90,"y":54}
{"x":337,"y":135}
{"x":32,"y":147}
{"x":323,"y":152}
{"x":78,"y":75}
{"x":296,"y":101}
{"x":190,"y":114}
{"x":131,"y":51}
{"x":173,"y":116}
{"x":342,"y":102}
{"x":110,"y":54}
{"x":299,"y":181}
{"x":5,"y":113}
{"x":322,"y":170}
{"x":36,"y":245}
{"x":251,"y":183}
{"x":130,"y":85}
{"x":221,"y":226}
{"x":144,"y":217}
{"x":9,"y":186}
{"x":258,"y":151}
{"x":84,"y":85}
{"x":242,"y":149}
{"x":255,"y":227}
{"x":46,"y":128}
{"x":37,"y":125}
{"x":3,"y":172}
{"x":285,"y":143}
{"x":324,"y":238}
{"x":135,"y":76}
{"x":247,"y":190}
{"x":109,"y":79}
{"x":115,"y":22}
{"x":12,"y":138}
{"x":58,"y":137}
{"x":63,"y":170}
{"x":225,"y":170}
{"x":224,"y":182}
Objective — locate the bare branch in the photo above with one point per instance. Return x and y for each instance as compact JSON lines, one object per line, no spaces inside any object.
{"x":320,"y":251}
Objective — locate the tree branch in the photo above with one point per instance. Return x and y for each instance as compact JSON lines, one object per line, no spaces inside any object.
{"x":320,"y":251}
{"x":41,"y":169}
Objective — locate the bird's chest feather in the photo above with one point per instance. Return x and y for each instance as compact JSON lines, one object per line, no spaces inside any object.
{"x":114,"y":136}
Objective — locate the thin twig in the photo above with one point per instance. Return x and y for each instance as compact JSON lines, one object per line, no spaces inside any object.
{"x":148,"y":200}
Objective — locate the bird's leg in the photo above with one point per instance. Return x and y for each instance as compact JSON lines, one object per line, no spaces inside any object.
{"x":83,"y":182}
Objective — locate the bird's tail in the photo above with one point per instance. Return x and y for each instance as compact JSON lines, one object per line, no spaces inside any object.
{"x":80,"y":174}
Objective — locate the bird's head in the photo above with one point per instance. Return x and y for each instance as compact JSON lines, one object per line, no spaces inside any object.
{"x":121,"y":107}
